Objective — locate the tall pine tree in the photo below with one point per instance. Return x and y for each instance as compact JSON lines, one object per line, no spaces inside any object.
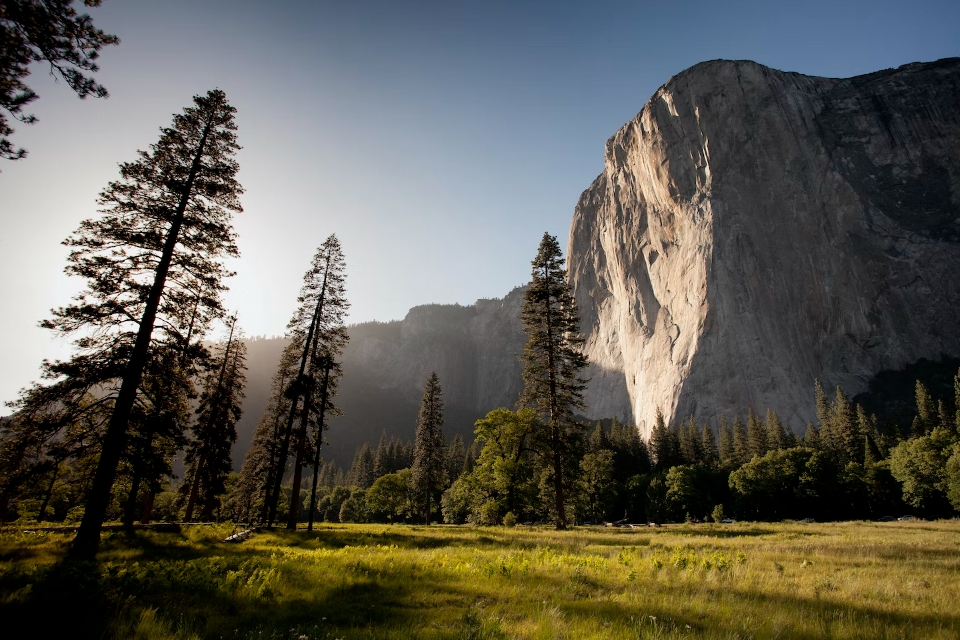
{"x":164,"y":231}
{"x":428,"y":452}
{"x":215,"y":429}
{"x":552,"y":365}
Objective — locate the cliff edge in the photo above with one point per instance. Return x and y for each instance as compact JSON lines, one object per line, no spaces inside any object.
{"x":754,"y":229}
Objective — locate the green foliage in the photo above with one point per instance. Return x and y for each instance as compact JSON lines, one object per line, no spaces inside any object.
{"x":920,"y":465}
{"x":214,"y":432}
{"x":552,"y":366}
{"x":596,"y":484}
{"x":391,"y":496}
{"x":717,"y":514}
{"x":429,"y":468}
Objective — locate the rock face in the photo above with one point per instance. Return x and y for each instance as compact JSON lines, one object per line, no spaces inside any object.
{"x":753,"y":230}
{"x":472,"y":348}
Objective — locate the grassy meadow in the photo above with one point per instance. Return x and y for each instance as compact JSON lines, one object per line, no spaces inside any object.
{"x":746,"y":580}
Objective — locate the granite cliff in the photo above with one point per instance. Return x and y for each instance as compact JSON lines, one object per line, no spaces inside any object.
{"x":754,"y":229}
{"x":472,"y":348}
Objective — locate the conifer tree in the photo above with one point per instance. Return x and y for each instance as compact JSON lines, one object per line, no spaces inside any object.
{"x":50,"y":31}
{"x":661,"y":446}
{"x":455,"y":457}
{"x":552,"y":365}
{"x":756,"y":435}
{"x":708,"y":445}
{"x":598,"y":439}
{"x":926,"y":418}
{"x":428,"y":461}
{"x":164,"y":230}
{"x":690,"y":446}
{"x":956,"y":403}
{"x":473,"y":453}
{"x":381,"y":459}
{"x":317,"y":329}
{"x":811,"y":438}
{"x":726,"y":449}
{"x":741,"y":443}
{"x":361,"y":471}
{"x":776,"y":436}
{"x":260,"y":464}
{"x":215,"y":429}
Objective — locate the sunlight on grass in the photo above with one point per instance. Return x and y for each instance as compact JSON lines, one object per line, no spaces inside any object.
{"x":845,"y":580}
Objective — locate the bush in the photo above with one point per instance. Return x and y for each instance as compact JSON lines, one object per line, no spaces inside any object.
{"x":510,"y":520}
{"x":717,"y":514}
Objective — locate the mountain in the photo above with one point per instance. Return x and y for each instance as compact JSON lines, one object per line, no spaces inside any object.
{"x":472,"y":348}
{"x":754,"y":230}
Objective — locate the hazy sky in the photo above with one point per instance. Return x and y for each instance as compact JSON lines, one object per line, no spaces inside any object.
{"x":438,"y":140}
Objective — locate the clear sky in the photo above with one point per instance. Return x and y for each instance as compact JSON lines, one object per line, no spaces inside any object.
{"x":438,"y":140}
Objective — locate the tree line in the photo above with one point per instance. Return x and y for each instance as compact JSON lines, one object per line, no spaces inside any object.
{"x":754,"y":468}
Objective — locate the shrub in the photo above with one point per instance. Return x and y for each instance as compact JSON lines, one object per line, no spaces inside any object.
{"x":717,"y":514}
{"x":509,"y":520}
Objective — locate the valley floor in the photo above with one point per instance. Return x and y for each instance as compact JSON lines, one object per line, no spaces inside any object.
{"x":745,"y":580}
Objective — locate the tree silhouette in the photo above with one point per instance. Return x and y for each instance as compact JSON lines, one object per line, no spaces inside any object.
{"x":48,"y":31}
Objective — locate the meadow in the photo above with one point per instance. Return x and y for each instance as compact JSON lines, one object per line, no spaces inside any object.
{"x":743,"y":580}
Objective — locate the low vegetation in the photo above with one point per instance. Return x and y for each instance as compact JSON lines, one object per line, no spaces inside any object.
{"x":743,"y":580}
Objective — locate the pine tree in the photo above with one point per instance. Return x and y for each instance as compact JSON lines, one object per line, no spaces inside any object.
{"x":48,"y":31}
{"x":756,"y":435}
{"x":812,"y":437}
{"x":726,"y":449}
{"x":661,"y":444}
{"x":381,"y":459}
{"x":318,"y":331}
{"x":455,"y":457}
{"x":598,"y":439}
{"x":428,"y":462}
{"x":552,"y":364}
{"x":473,"y":452}
{"x":776,"y":435}
{"x":691,"y":450}
{"x":956,"y":403}
{"x":260,"y":462}
{"x":157,"y":425}
{"x":926,"y":418}
{"x":214,"y":432}
{"x":741,"y":443}
{"x":361,"y":471}
{"x":164,"y":231}
{"x":708,"y":445}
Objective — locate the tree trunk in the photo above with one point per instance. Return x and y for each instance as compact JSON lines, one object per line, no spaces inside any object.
{"x":316,"y":457}
{"x":147,"y":507}
{"x":132,"y":501}
{"x":311,"y":338}
{"x":294,"y":516}
{"x":554,"y":427}
{"x":285,"y":448}
{"x":216,"y":401}
{"x":49,"y":494}
{"x":87,"y":542}
{"x":194,"y":488}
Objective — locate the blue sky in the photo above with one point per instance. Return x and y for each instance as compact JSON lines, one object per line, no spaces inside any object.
{"x":439,"y":140}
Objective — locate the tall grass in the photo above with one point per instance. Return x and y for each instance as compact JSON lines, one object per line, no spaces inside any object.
{"x":845,"y":580}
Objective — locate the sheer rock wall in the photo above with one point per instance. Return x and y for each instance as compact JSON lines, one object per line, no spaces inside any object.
{"x":753,"y":230}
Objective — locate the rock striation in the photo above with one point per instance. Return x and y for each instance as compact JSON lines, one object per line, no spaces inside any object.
{"x":754,"y":230}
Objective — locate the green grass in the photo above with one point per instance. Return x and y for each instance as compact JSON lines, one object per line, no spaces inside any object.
{"x":845,"y":580}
